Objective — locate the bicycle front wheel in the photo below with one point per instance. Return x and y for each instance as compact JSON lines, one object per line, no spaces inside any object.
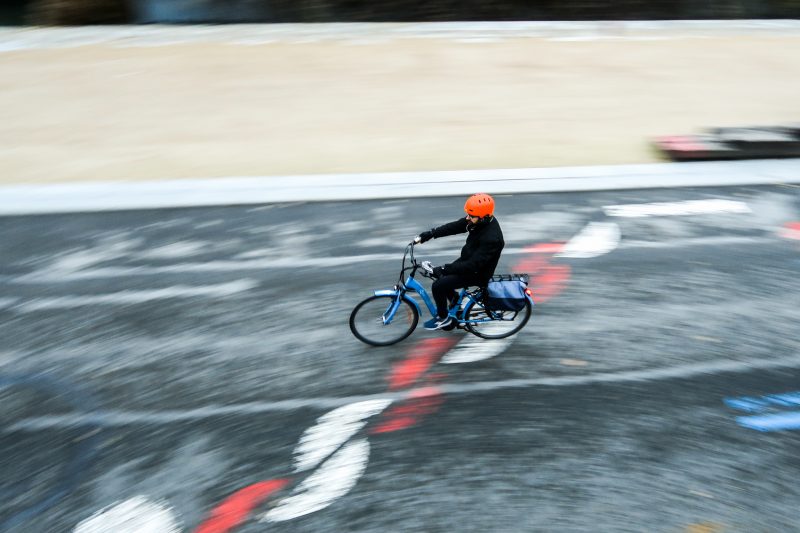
{"x":367,"y":320}
{"x":498,"y":325}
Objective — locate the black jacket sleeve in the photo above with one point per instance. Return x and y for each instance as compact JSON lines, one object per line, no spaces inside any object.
{"x":451,"y":228}
{"x":487,"y":252}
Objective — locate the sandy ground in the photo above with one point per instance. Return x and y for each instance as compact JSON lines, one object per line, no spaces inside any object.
{"x":102,"y":112}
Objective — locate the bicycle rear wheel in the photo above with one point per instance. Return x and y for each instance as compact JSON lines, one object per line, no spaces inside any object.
{"x":366,"y":321}
{"x":496,"y":328}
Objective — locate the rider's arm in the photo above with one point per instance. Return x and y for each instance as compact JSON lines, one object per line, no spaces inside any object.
{"x":451,"y":228}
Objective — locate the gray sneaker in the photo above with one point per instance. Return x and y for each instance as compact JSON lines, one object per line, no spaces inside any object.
{"x":447,"y":323}
{"x":439,"y":323}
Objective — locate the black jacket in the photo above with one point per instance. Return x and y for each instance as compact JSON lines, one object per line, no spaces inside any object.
{"x":480,"y":254}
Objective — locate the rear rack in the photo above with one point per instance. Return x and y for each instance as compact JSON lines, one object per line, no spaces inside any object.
{"x":510,"y":277}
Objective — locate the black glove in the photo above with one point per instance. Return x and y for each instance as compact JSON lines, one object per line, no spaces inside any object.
{"x":424,"y":236}
{"x":438,"y":272}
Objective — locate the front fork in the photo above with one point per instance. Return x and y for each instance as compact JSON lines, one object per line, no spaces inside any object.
{"x":414,"y":285}
{"x":399,"y":294}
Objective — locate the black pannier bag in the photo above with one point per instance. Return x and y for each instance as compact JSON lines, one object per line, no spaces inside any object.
{"x":506,"y":292}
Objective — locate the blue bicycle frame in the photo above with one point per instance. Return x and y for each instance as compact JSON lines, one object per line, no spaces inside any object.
{"x":401,"y":290}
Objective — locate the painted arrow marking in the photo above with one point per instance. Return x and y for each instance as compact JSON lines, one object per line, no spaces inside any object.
{"x":135,"y":514}
{"x":332,"y":430}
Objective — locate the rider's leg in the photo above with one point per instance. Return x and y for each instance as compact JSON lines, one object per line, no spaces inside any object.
{"x":451,"y":298}
{"x":445,"y":287}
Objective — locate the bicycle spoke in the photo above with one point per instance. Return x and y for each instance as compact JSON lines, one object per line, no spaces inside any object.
{"x":498,"y":325}
{"x":367,"y":321}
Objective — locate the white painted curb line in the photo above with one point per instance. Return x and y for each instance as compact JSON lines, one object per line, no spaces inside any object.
{"x":115,"y":196}
{"x":13,"y":39}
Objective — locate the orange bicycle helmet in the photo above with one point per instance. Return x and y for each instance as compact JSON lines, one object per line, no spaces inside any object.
{"x":479,"y":205}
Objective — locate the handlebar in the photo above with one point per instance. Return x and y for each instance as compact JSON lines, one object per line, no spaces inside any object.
{"x":415,"y":266}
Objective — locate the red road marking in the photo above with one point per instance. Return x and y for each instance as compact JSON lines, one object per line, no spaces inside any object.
{"x":791,"y":231}
{"x":423,"y":402}
{"x":547,"y":281}
{"x":421,"y":357}
{"x":234,"y":510}
{"x":545,"y":248}
{"x":406,"y":373}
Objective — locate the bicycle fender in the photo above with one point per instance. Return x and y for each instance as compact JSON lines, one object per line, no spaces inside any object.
{"x":392,"y":292}
{"x":385,"y":292}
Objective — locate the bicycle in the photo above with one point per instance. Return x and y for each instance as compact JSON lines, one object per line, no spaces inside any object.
{"x":390,"y":315}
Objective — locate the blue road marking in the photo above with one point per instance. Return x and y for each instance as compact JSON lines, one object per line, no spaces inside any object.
{"x":772,"y":418}
{"x":772,"y":422}
{"x":749,"y":405}
{"x":753,"y":404}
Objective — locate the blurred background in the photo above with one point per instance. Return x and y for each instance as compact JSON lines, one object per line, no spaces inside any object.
{"x":187,"y":365}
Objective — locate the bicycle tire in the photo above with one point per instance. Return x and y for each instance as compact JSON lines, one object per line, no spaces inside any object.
{"x":370,"y":312}
{"x":481,"y":330}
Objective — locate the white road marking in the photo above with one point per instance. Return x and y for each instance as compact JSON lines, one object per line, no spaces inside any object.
{"x":332,"y":430}
{"x":335,"y":478}
{"x":471,"y":349}
{"x":54,"y":275}
{"x":690,"y":207}
{"x":135,"y":515}
{"x":175,"y":250}
{"x":5,"y":303}
{"x":108,"y":251}
{"x":597,"y":238}
{"x":645,"y":375}
{"x":123,"y":418}
{"x":51,"y":275}
{"x":136,"y":297}
{"x":114,"y":418}
{"x":722,"y":240}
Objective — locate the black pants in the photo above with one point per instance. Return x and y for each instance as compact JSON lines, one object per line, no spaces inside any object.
{"x":444,"y":288}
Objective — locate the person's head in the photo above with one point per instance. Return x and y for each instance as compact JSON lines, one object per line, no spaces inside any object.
{"x":479,"y":207}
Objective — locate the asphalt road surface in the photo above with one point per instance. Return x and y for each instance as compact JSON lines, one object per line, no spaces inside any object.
{"x":156,"y":363}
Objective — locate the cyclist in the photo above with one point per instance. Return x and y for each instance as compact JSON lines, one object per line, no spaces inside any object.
{"x":479,"y":256}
